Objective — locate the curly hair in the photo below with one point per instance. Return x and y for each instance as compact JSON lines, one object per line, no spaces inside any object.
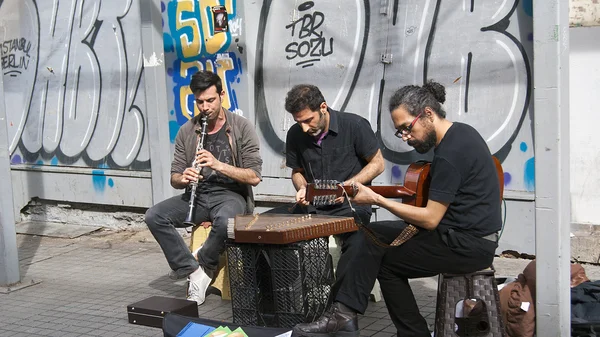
{"x":415,"y":98}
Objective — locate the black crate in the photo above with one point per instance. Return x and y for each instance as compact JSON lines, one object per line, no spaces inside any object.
{"x":279,"y":285}
{"x":250,"y":295}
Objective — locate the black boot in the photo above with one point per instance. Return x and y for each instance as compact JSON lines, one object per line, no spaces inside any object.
{"x":339,"y":320}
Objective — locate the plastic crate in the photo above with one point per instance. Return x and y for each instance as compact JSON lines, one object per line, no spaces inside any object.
{"x":452,"y":289}
{"x":250,"y":295}
{"x":279,"y":285}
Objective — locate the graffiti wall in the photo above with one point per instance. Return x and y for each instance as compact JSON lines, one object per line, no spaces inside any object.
{"x":359,"y":52}
{"x":73,"y":85}
{"x":202,"y":35}
{"x":479,"y":52}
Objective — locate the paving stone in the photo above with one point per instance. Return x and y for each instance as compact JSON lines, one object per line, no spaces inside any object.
{"x":86,"y":285}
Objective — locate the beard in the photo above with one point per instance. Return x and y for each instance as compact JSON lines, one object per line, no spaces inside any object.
{"x":425,"y":145}
{"x":319,"y":128}
{"x":315,"y":132}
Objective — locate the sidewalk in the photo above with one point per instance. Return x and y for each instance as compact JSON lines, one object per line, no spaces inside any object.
{"x":87,"y":283}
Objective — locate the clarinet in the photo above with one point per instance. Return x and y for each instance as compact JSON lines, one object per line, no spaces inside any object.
{"x":189,"y":220}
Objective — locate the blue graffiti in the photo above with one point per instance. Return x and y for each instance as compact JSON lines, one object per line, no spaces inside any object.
{"x":99,"y":180}
{"x":507,"y":178}
{"x":16,"y":159}
{"x":231,"y":76}
{"x":529,"y":176}
{"x":111,"y":183}
{"x":396,"y":175}
{"x":173,"y":129}
{"x":528,"y":7}
{"x":193,"y":45}
{"x":523,"y":146}
{"x":168,"y":43}
{"x":396,"y":172}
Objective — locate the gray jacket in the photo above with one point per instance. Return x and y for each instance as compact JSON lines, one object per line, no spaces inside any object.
{"x":242,"y":139}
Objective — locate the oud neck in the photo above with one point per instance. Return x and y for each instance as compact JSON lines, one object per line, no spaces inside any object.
{"x":394,"y":191}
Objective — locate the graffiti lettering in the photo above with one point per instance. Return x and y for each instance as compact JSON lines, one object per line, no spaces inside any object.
{"x":314,"y":44}
{"x":16,"y":45}
{"x":85,"y":109}
{"x":235,"y":27}
{"x":12,"y":62}
{"x":314,"y":48}
{"x":192,"y":30}
{"x":308,"y":25}
{"x":196,"y":47}
{"x":15,"y":56}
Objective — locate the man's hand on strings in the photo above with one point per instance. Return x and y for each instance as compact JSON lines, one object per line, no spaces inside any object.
{"x":301,"y":196}
{"x":365,"y":195}
{"x":340,"y":200}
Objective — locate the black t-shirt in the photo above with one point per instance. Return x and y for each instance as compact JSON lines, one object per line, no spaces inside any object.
{"x":464,"y":175}
{"x":218,"y":145}
{"x":340,"y":154}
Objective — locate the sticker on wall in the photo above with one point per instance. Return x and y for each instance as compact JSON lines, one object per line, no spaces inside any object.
{"x":220,"y":18}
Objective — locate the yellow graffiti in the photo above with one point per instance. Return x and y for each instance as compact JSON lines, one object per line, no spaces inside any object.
{"x":190,"y":45}
{"x":223,"y":64}
{"x":184,"y":93}
{"x":186,"y":66}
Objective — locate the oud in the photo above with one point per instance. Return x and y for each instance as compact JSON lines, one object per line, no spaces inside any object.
{"x":414,"y":191}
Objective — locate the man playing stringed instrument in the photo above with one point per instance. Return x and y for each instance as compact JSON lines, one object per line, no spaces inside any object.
{"x":457,"y":227}
{"x":325,"y":144}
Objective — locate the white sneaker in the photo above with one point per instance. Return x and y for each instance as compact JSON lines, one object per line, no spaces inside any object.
{"x":198,"y":283}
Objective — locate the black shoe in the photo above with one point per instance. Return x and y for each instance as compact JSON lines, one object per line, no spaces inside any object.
{"x":339,"y":321}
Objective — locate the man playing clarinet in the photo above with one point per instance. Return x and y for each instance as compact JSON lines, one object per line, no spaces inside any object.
{"x":222,"y":164}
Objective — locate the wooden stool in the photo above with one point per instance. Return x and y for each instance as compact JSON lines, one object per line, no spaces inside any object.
{"x":221,"y":279}
{"x":452,"y":289}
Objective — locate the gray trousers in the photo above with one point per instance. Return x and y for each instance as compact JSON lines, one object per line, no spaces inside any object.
{"x":217,"y":207}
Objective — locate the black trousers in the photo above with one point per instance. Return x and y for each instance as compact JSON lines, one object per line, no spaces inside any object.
{"x":426,"y":254}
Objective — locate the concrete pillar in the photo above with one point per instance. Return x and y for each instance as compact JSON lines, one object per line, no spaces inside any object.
{"x":156,"y":99}
{"x":9,"y":255}
{"x":551,"y":138}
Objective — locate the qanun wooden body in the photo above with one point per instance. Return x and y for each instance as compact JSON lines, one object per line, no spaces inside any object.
{"x":414,"y":191}
{"x":286,"y":228}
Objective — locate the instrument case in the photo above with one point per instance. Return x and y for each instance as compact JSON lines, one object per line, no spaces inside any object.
{"x":151,"y":311}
